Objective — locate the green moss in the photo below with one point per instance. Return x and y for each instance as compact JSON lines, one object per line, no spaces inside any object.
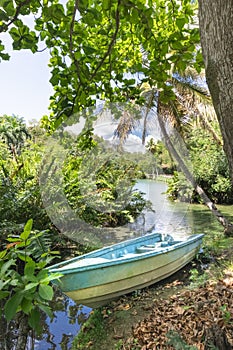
{"x":93,"y":329}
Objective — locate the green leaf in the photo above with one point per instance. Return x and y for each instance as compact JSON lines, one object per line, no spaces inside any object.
{"x":4,"y":283}
{"x":6,"y":266}
{"x":4,"y":294}
{"x":34,"y":320}
{"x":83,"y":5}
{"x":177,"y":45}
{"x":180,"y":22}
{"x":42,"y":274}
{"x":3,"y":254}
{"x":11,"y":239}
{"x":5,"y":56}
{"x":26,"y":305}
{"x":14,"y":282}
{"x":106,"y":4}
{"x":29,"y":268}
{"x":46,"y":309}
{"x":9,"y":7}
{"x":89,"y":50}
{"x":51,"y":277}
{"x":134,"y":16}
{"x":14,"y":32}
{"x":3,"y":16}
{"x":24,"y":257}
{"x":46,"y":292}
{"x":12,"y":305}
{"x":31,"y":285}
{"x":27,"y":230}
{"x":57,"y":13}
{"x":54,"y":80}
{"x":41,"y":264}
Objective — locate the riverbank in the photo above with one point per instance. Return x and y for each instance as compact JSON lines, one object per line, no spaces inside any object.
{"x":143,"y":319}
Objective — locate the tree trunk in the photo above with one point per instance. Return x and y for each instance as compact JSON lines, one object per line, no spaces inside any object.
{"x":215,"y":338}
{"x":228,"y":227}
{"x":23,"y":331}
{"x":216,"y":29}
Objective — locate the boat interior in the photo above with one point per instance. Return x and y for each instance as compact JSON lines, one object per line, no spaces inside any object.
{"x":123,"y":251}
{"x":133,"y":250}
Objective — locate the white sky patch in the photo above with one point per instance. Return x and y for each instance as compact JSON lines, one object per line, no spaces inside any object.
{"x":106,"y":130}
{"x":76,"y":128}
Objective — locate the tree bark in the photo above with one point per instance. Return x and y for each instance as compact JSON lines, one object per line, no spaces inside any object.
{"x":216,"y":29}
{"x":215,"y":338}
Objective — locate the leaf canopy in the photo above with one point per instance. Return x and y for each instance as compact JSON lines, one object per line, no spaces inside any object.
{"x":104,"y":50}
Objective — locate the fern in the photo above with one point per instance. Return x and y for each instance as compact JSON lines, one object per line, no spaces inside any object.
{"x":41,"y":243}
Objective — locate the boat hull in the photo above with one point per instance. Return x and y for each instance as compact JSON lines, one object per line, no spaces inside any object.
{"x":97,"y":285}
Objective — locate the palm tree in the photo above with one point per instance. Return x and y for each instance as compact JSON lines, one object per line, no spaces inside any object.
{"x":168,"y":112}
{"x":181,"y":112}
{"x":13,"y":132}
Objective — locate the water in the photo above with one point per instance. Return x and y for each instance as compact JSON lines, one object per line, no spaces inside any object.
{"x":60,"y":331}
{"x":167,"y":216}
{"x":178,"y":219}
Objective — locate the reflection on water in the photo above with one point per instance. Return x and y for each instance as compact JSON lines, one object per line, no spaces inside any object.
{"x":60,"y":331}
{"x":178,"y":218}
{"x":167,"y":216}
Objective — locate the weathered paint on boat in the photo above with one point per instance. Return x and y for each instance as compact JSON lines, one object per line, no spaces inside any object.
{"x":96,"y":278}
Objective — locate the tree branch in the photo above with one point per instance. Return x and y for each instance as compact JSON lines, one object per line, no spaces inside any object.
{"x":71,"y":47}
{"x":107,"y":53}
{"x":5,"y":27}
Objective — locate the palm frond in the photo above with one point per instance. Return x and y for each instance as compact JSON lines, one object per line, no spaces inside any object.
{"x":125,"y":126}
{"x":41,"y":243}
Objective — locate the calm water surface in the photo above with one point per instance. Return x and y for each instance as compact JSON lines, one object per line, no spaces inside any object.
{"x":179,"y":218}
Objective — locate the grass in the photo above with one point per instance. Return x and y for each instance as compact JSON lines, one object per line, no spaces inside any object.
{"x":92,"y":329}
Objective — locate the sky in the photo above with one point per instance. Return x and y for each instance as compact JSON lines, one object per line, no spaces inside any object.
{"x":24,"y":84}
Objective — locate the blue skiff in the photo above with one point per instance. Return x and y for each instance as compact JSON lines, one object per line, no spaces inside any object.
{"x":96,"y":278}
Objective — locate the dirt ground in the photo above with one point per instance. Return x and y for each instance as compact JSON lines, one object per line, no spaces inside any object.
{"x":121,"y":316}
{"x":201,"y":317}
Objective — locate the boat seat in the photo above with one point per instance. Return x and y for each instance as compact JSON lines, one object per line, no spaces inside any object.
{"x":152,"y":247}
{"x":144,"y":249}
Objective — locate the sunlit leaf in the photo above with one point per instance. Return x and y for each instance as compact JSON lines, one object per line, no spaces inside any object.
{"x":46,"y":292}
{"x":27,"y":230}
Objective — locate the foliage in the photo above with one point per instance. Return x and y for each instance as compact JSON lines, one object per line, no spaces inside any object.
{"x":20,"y":197}
{"x":99,"y":184}
{"x":104,"y":50}
{"x":179,"y":188}
{"x":163,"y":158}
{"x":13,"y":133}
{"x":210,"y":166}
{"x":198,"y":278}
{"x":24,"y":281}
{"x":210,"y":169}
